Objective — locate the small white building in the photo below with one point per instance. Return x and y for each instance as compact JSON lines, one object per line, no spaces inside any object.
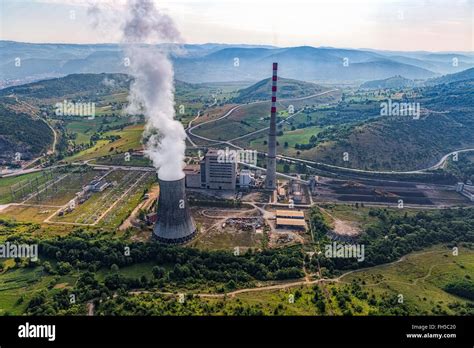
{"x":245,"y":178}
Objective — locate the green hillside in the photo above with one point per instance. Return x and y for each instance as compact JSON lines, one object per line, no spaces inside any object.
{"x":19,"y":132}
{"x":75,"y":84}
{"x":464,"y":75}
{"x":392,"y":82}
{"x":400,"y":142}
{"x":287,"y":88}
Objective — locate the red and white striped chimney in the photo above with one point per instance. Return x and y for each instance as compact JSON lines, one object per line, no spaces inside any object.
{"x":270,"y":182}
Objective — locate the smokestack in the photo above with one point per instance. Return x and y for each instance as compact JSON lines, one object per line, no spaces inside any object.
{"x":270,"y":182}
{"x":175,"y":224}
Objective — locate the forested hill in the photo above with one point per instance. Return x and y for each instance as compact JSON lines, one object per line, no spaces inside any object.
{"x":75,"y":84}
{"x":392,"y":82}
{"x":19,"y":132}
{"x":400,"y":143}
{"x":287,"y":88}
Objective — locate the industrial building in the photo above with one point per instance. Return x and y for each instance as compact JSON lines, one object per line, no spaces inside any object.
{"x":466,"y":190}
{"x":245,"y":179}
{"x":290,"y":218}
{"x":296,"y":191}
{"x":193,"y":175}
{"x":212,"y":173}
{"x":219,"y":175}
{"x":96,"y":186}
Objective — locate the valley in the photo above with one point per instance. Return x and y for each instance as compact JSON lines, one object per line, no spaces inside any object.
{"x":385,"y":182}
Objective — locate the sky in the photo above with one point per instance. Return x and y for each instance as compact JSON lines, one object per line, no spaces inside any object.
{"x":404,"y":25}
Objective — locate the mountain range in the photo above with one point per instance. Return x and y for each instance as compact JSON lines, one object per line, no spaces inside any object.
{"x":396,"y":82}
{"x":25,"y":62}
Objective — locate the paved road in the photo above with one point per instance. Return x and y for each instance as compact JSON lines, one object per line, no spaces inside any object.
{"x":438,"y":165}
{"x":191,"y":128}
{"x":228,"y":113}
{"x":443,"y":160}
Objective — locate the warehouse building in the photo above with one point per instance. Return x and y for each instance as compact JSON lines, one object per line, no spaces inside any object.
{"x":290,"y":219}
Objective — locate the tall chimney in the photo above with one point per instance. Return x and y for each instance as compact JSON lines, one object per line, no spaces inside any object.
{"x":270,"y":182}
{"x":174,"y":224}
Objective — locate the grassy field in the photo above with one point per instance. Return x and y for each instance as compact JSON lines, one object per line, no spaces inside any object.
{"x":246,"y":119}
{"x":119,"y":160}
{"x":6,"y":183}
{"x":83,"y":128}
{"x":27,"y":213}
{"x":350,"y":213}
{"x":419,"y":278}
{"x":19,"y":285}
{"x":252,"y":117}
{"x":130,"y":139}
{"x":227,"y":239}
{"x":132,"y":271}
{"x":298,"y":136}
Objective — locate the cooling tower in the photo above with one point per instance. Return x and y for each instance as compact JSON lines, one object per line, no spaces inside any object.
{"x":174,"y":222}
{"x":270,"y":181}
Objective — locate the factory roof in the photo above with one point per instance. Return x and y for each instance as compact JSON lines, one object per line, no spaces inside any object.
{"x":469,"y":188}
{"x":212,"y":152}
{"x":290,"y":222}
{"x":290,"y":214}
{"x":192,"y":169}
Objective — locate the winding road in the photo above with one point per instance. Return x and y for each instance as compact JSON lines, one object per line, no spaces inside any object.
{"x":190,"y":131}
{"x":228,"y":113}
{"x":304,"y":281}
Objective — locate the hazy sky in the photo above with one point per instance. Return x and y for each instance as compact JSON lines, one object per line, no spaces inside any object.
{"x":384,"y":24}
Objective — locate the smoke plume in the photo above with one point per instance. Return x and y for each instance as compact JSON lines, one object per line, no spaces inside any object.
{"x":152,"y":91}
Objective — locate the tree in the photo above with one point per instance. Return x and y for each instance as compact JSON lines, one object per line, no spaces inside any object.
{"x":48,"y":268}
{"x":64,"y":268}
{"x":158,"y":272}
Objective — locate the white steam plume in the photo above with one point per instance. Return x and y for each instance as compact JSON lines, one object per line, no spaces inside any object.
{"x":152,"y":92}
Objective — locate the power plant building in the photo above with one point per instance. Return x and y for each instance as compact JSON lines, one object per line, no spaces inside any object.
{"x":218,"y":174}
{"x":245,"y":178}
{"x":193,"y":175}
{"x":214,"y":172}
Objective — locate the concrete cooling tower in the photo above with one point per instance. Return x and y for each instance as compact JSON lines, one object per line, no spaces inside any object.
{"x":174,"y":224}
